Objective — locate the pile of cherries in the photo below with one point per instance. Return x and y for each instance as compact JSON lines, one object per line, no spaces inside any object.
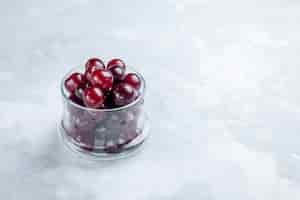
{"x":103,"y":86}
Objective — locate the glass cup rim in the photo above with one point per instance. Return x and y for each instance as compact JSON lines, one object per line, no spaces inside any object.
{"x":140,"y":97}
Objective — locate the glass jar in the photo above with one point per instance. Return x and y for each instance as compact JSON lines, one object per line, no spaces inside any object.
{"x":104,"y":133}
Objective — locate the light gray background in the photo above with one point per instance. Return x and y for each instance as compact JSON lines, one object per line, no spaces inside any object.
{"x":223,"y":96}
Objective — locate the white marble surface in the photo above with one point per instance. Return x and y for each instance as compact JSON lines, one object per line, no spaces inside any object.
{"x":223,"y":95}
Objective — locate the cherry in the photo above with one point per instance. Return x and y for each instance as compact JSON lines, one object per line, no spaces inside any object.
{"x":123,"y":94}
{"x":89,"y":71}
{"x":133,"y":80}
{"x":117,"y":68}
{"x":74,"y":81}
{"x":116,"y":61}
{"x":80,"y":90}
{"x":103,"y":79}
{"x":93,"y":97}
{"x":96,"y":62}
{"x":117,"y":72}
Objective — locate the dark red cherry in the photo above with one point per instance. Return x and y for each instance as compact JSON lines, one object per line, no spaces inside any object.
{"x":116,"y":61}
{"x":75,"y":81}
{"x":103,"y":79}
{"x":117,"y":68}
{"x":80,"y":90}
{"x":117,"y":72}
{"x":133,"y":80}
{"x":123,"y":94}
{"x":93,"y":97}
{"x":89,"y":71}
{"x":96,"y":62}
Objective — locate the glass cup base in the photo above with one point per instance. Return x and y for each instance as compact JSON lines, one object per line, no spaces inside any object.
{"x":135,"y":146}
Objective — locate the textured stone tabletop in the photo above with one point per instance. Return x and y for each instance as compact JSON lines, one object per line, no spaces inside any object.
{"x":223,"y":98}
